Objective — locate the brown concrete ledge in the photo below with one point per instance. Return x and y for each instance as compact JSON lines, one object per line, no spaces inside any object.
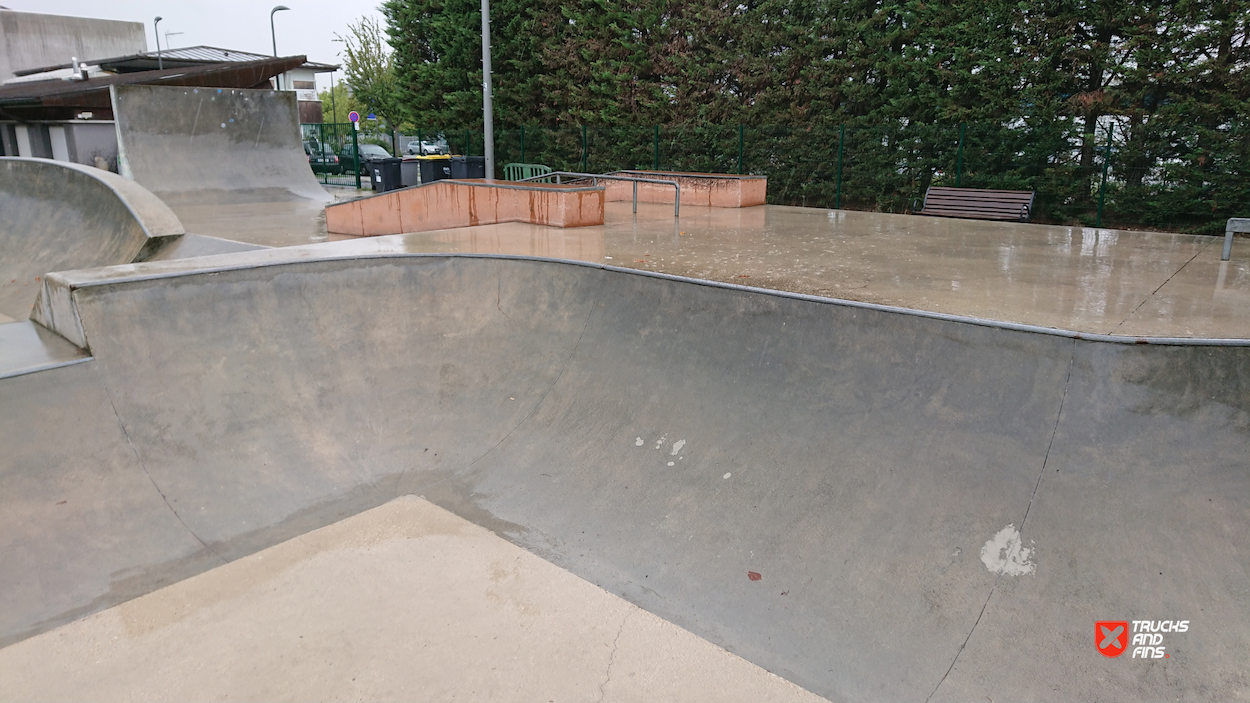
{"x":706,"y":189}
{"x":466,"y":203}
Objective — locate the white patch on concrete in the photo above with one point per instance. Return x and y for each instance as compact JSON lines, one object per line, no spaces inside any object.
{"x":671,"y":463}
{"x":1004,"y":554}
{"x":638,"y":442}
{"x":677,"y":446}
{"x":660,"y":442}
{"x":726,"y":475}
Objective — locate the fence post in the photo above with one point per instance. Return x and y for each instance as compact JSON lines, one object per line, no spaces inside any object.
{"x":655,"y":164}
{"x":584,"y":154}
{"x":959,"y":159}
{"x":420,"y":151}
{"x":356,"y":151}
{"x":739,"y":150}
{"x":837,"y":201}
{"x":1106,"y":161}
{"x":523,"y":144}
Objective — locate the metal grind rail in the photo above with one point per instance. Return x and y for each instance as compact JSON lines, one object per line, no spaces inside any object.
{"x":594,"y":178}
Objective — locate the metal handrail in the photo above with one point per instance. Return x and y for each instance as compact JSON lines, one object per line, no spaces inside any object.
{"x":1235,"y":224}
{"x":594,"y":178}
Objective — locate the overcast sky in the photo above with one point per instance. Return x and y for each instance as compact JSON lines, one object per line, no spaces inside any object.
{"x":308,"y":28}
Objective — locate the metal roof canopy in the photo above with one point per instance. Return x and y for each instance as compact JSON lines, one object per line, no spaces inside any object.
{"x":174,"y":58}
{"x":61,"y":99}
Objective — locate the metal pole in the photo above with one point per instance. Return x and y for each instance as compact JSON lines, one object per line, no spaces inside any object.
{"x":1106,"y":161}
{"x":584,"y":154}
{"x":959,"y":160}
{"x":333,"y":105}
{"x":160,"y":63}
{"x":739,"y":150}
{"x":837,"y":203}
{"x":656,"y":164}
{"x":488,"y":113}
{"x":636,"y":201}
{"x":356,"y":152}
{"x":274,"y":35}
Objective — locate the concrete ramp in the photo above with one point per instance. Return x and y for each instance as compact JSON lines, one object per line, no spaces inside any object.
{"x":56,"y":216}
{"x":872,"y":503}
{"x":206,"y":151}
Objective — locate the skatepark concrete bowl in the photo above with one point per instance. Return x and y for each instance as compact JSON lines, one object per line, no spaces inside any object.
{"x":937,"y":508}
{"x":59,"y":216}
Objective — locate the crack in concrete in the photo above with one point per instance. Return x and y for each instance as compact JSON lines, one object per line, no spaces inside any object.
{"x":1161,"y":285}
{"x":612,"y":657}
{"x":1041,"y":474}
{"x":143,"y":465}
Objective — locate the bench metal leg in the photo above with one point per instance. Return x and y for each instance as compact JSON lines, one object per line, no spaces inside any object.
{"x":1235,"y":224}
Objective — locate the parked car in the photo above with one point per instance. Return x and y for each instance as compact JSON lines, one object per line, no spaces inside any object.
{"x":367,"y":152}
{"x":428,"y":147}
{"x":322,"y":159}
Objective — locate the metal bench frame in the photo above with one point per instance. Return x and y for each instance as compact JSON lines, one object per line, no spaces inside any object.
{"x":1235,"y":224}
{"x":978,"y":204}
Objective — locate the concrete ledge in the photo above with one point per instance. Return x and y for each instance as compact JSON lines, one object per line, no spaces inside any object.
{"x":466,"y":203}
{"x":706,"y":189}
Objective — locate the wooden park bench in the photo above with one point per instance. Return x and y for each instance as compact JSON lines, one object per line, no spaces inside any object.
{"x":978,"y":204}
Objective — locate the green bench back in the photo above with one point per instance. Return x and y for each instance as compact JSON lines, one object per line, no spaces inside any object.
{"x":516,"y":172}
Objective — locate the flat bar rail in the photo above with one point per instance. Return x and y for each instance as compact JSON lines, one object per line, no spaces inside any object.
{"x":594,"y":178}
{"x":1235,"y":224}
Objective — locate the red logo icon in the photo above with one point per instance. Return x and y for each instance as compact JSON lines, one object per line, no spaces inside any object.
{"x":1111,"y":637}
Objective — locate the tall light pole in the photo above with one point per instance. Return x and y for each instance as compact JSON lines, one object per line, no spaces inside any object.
{"x":156,"y":24}
{"x":274,"y":35}
{"x":488,"y":111}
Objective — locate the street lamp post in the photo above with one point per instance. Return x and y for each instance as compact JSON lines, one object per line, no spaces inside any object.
{"x":156,"y":24}
{"x":488,"y":118}
{"x":274,"y":35}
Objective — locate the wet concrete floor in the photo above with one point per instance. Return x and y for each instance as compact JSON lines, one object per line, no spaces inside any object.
{"x":1083,"y":279}
{"x":402,"y":602}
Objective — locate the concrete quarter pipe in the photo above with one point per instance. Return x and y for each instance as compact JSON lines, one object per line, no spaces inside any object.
{"x":229,"y":161}
{"x":934,"y":509}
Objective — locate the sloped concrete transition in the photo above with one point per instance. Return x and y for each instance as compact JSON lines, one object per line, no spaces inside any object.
{"x":938,"y":509}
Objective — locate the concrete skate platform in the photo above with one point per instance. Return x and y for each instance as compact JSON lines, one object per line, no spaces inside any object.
{"x":1097,"y":281}
{"x":700,"y":189}
{"x":871,"y":503}
{"x":451,"y":203}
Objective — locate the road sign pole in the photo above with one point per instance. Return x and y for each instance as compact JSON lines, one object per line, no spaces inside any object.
{"x":356,"y":151}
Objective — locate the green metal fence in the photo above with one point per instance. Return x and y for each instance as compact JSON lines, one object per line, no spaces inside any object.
{"x":341,"y":141}
{"x":1159,"y":174}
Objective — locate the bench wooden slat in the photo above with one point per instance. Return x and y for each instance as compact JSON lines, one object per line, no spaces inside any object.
{"x":978,"y":203}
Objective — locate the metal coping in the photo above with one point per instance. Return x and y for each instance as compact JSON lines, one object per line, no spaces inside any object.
{"x":945,"y":317}
{"x":709,"y":176}
{"x":43,"y":367}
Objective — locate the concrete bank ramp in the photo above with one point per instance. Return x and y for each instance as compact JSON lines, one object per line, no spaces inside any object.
{"x":873,"y":504}
{"x":215,"y":152}
{"x":56,"y":216}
